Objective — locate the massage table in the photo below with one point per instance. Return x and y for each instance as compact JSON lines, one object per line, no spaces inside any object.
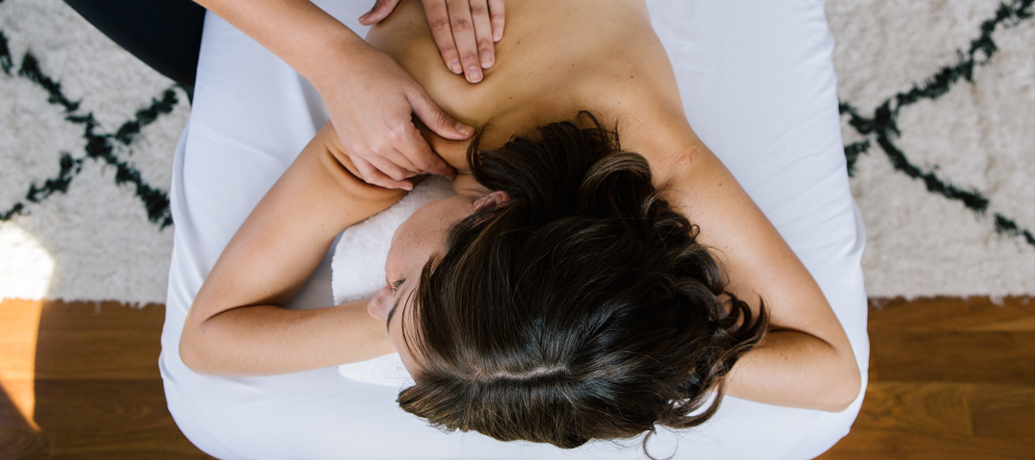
{"x":758,"y":84}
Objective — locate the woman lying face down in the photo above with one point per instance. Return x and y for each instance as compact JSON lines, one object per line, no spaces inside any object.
{"x":563,"y":295}
{"x":570,"y":303}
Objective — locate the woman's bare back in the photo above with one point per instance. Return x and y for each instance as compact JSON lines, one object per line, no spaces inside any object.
{"x":555,"y":59}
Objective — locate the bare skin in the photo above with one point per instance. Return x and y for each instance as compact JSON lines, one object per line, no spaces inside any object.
{"x":612,"y":64}
{"x":370,"y":98}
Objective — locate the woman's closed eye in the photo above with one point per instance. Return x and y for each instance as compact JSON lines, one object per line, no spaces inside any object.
{"x":394,"y":290}
{"x":395,"y":285}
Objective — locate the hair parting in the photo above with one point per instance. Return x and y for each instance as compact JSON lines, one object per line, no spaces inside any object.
{"x":581,"y":308}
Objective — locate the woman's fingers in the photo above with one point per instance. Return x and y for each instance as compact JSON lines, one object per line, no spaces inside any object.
{"x":409,"y":155}
{"x":407,"y":164}
{"x":497,"y":19}
{"x":464,"y":36}
{"x":373,"y":112}
{"x":483,"y":32}
{"x":466,"y":32}
{"x":425,"y":159}
{"x":438,"y":20}
{"x":381,"y":10}
{"x":413,"y":156}
{"x":373,"y":175}
{"x":435,"y":118}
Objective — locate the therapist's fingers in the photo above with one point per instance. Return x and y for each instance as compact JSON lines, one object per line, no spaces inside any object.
{"x":402,"y":164}
{"x":483,"y":32}
{"x":424,"y":158}
{"x":497,"y":19}
{"x":391,"y":169}
{"x":438,"y":21}
{"x":464,"y":36}
{"x":381,"y":10}
{"x":435,"y":118}
{"x":373,"y":175}
{"x":442,"y":124}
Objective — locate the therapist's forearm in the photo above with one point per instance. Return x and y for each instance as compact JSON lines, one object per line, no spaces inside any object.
{"x":795,"y":369}
{"x":297,"y":31}
{"x":268,"y":340}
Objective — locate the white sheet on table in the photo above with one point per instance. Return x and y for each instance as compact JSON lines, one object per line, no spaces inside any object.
{"x":758,"y":84}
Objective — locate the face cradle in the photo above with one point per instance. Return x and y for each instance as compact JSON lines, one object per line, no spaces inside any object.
{"x":416,"y":241}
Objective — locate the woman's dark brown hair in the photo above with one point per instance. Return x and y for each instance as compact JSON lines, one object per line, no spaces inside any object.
{"x":581,"y":309}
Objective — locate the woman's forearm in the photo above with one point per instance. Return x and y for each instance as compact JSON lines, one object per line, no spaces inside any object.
{"x":297,"y":31}
{"x":795,"y":369}
{"x":268,"y":339}
{"x":237,"y":325}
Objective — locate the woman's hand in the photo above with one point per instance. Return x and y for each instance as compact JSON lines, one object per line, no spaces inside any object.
{"x":370,"y":101}
{"x":464,"y":30}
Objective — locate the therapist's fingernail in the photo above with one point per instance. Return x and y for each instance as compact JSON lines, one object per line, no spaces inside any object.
{"x":497,"y":34}
{"x":464,"y":129}
{"x":454,"y":66}
{"x":486,"y":60}
{"x":474,"y":74}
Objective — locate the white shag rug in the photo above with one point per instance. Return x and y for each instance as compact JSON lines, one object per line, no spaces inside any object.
{"x":938,"y":112}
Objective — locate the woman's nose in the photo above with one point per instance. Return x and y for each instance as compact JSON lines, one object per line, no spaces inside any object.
{"x":378,"y":305}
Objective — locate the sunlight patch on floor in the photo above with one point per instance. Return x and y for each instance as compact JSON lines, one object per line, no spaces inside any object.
{"x":19,"y":327}
{"x":26,"y":272}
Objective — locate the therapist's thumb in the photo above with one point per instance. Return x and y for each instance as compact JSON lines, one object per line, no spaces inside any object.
{"x":381,"y":10}
{"x":437,"y":119}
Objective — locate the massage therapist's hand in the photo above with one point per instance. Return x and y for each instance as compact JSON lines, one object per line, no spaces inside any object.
{"x":464,"y":30}
{"x":371,"y":102}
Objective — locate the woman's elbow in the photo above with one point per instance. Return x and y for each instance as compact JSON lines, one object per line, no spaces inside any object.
{"x":844,"y":389}
{"x":191,"y":354}
{"x":187,"y":354}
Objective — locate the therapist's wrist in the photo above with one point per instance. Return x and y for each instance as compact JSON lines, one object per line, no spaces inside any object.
{"x":332,"y":59}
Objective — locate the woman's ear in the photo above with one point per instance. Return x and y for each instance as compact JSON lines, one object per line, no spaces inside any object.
{"x":496,"y":199}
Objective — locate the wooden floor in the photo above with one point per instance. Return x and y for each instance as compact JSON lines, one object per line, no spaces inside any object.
{"x":949,"y":379}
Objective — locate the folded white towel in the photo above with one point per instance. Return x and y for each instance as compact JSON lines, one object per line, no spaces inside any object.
{"x":363,"y":246}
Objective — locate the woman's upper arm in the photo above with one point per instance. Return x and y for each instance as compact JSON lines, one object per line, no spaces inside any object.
{"x":757,"y":261}
{"x":806,"y":361}
{"x":286,"y":235}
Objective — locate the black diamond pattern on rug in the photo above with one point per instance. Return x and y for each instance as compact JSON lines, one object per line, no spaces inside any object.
{"x":882,"y":125}
{"x":883,"y":122}
{"x":99,"y":146}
